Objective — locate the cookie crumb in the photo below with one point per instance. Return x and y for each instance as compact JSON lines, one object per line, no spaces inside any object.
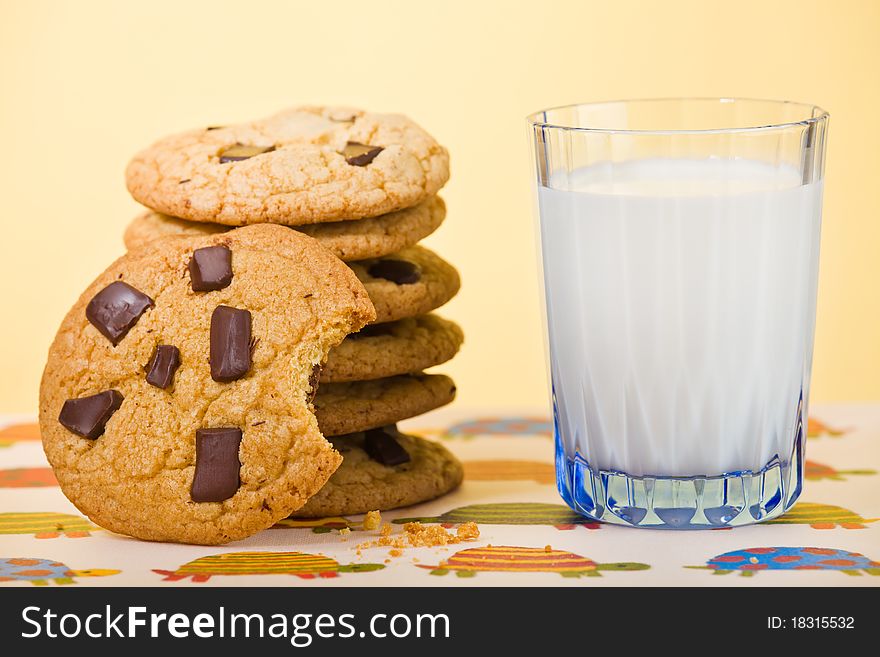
{"x":415,"y":534}
{"x":468,"y":530}
{"x":372,"y":520}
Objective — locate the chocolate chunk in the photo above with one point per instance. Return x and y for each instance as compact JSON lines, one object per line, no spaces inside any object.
{"x":396,"y":271}
{"x":116,"y":309}
{"x":242,"y":152}
{"x":185,"y":180}
{"x":163,"y":365}
{"x":314,"y":378}
{"x":217,"y":464}
{"x":347,"y":442}
{"x":360,"y":155}
{"x":210,"y":268}
{"x":381,"y":445}
{"x":215,"y":127}
{"x":230,"y":343}
{"x":87,"y":416}
{"x":372,"y":331}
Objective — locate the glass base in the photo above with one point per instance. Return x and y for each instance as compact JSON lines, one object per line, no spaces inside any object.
{"x":729,"y":500}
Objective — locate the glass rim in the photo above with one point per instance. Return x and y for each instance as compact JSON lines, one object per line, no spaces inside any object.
{"x":821,"y":115}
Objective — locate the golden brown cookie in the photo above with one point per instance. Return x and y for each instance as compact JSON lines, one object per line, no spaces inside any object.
{"x":360,"y":405}
{"x":349,"y":240}
{"x":411,"y":282}
{"x":365,"y":483}
{"x":302,"y":166}
{"x":379,"y":350}
{"x":174,"y":404}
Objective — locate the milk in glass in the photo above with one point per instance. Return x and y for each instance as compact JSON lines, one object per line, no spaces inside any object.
{"x":681,"y":304}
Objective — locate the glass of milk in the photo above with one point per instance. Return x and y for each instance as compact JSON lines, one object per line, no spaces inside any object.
{"x":680,"y":251}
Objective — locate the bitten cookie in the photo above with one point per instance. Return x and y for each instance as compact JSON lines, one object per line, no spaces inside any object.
{"x":175,"y":401}
{"x":348,"y":240}
{"x":360,"y":405}
{"x":411,"y":282}
{"x":384,"y":469}
{"x":379,"y":350}
{"x":302,"y":166}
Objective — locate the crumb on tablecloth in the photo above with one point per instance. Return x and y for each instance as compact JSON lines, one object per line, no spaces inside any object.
{"x":372,"y":520}
{"x":415,"y":534}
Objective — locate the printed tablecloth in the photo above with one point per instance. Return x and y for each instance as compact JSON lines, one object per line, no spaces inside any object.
{"x":528,"y":537}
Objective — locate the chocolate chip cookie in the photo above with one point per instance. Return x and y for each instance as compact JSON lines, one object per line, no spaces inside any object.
{"x":175,"y":401}
{"x":411,"y":282}
{"x":348,"y":240}
{"x":302,"y":166}
{"x":384,"y":469}
{"x":379,"y":350}
{"x":360,"y":405}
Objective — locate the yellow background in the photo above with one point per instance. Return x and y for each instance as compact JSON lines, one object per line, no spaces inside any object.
{"x":86,"y":84}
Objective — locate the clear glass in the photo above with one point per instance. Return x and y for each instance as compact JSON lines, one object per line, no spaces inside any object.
{"x":680,"y":251}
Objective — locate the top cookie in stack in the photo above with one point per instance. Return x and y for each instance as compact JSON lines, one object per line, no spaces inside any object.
{"x":302,"y":166}
{"x":364,"y":186}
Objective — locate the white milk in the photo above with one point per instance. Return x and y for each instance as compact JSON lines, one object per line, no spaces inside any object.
{"x":681,"y":301}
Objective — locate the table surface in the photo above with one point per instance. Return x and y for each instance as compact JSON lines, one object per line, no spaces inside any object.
{"x":528,"y":537}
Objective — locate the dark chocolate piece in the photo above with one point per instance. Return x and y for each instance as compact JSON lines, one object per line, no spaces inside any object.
{"x":243,"y":152}
{"x":217,"y":465}
{"x":381,"y":445}
{"x":360,"y":155}
{"x":396,"y":271}
{"x":210,"y":268}
{"x":116,"y":309}
{"x":372,"y":331}
{"x":215,"y":127}
{"x":230,"y":355}
{"x":314,"y":378}
{"x":87,"y":416}
{"x":163,"y":365}
{"x":347,"y":442}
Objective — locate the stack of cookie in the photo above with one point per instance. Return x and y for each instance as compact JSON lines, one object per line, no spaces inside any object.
{"x":364,"y":186}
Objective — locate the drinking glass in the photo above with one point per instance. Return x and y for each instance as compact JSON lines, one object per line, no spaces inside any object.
{"x":679,"y":250}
